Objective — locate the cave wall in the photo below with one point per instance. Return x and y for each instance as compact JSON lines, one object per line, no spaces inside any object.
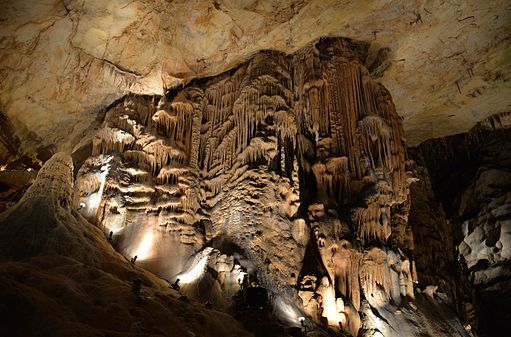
{"x":469,"y":178}
{"x":288,"y":171}
{"x":435,"y":253}
{"x":59,"y":276}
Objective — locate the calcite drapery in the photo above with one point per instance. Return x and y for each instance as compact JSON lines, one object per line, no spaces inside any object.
{"x":286,"y":168}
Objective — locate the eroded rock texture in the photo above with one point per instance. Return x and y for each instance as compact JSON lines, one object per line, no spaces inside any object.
{"x":288,"y":171}
{"x":446,"y":63}
{"x":470,"y":175}
{"x":60,"y":277}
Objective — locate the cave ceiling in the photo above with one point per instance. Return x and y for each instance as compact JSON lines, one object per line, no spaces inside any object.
{"x":445,"y":63}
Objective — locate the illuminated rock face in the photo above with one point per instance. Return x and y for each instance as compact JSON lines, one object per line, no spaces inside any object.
{"x":62,"y":61}
{"x":57,"y":268}
{"x":288,"y":171}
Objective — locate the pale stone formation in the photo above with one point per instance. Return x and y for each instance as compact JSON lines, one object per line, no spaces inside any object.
{"x":485,"y":214}
{"x":57,"y":268}
{"x":286,"y":172}
{"x":446,"y":63}
{"x":470,"y":177}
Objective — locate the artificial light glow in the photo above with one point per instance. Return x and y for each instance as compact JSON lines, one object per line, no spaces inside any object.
{"x":145,"y":246}
{"x":198,"y":267}
{"x":330,"y":310}
{"x":95,"y":199}
{"x":380,"y":329}
{"x":241,"y":277}
{"x":115,"y":230}
{"x":287,"y":312}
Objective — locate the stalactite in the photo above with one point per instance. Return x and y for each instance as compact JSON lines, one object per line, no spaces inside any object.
{"x":346,"y":262}
{"x":286,"y":124}
{"x":313,"y":122}
{"x":374,"y":275}
{"x":495,"y":122}
{"x":138,"y":176}
{"x":195,"y":139}
{"x":372,"y":222}
{"x":406,"y":279}
{"x":107,"y":140}
{"x":170,"y":175}
{"x":136,"y":157}
{"x":338,"y":167}
{"x":160,"y":154}
{"x":190,"y":201}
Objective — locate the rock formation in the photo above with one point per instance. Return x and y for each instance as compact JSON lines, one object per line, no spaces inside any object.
{"x":446,"y":63}
{"x":470,"y":176}
{"x":177,"y":164}
{"x":287,"y":172}
{"x":60,"y":277}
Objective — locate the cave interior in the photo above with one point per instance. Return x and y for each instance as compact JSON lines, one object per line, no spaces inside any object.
{"x":269,"y":192}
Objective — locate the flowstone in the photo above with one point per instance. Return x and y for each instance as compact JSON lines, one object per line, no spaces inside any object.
{"x":287,"y":172}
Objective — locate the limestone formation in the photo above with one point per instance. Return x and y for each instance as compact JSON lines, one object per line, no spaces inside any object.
{"x":278,"y":192}
{"x":59,"y":276}
{"x":470,"y":176}
{"x":63,"y":61}
{"x":302,"y":152}
{"x":172,"y":165}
